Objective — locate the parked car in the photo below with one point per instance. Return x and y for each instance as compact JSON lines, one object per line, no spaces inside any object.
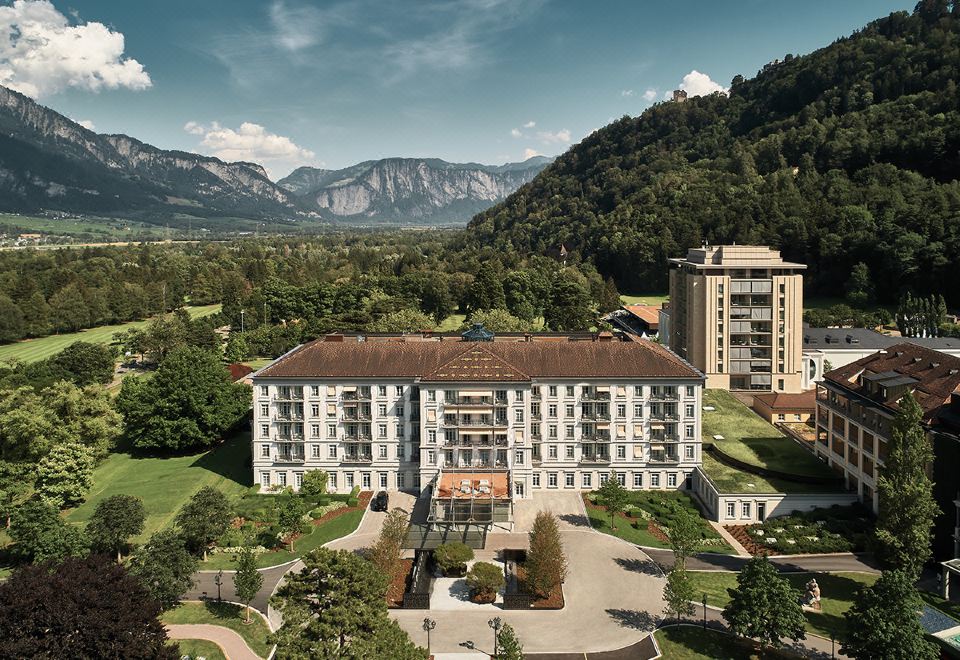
{"x":380,"y":501}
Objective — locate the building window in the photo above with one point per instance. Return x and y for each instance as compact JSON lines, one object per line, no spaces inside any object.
{"x":399,"y":390}
{"x":638,"y":410}
{"x":570,"y":430}
{"x":402,"y":451}
{"x":690,"y":431}
{"x":655,"y":480}
{"x":264,"y":390}
{"x":381,"y":430}
{"x":551,"y":479}
{"x":689,"y":410}
{"x":400,"y":411}
{"x":621,"y":451}
{"x":552,"y":431}
{"x":314,"y":451}
{"x":264,"y":409}
{"x":672,"y":480}
{"x":265,"y":430}
{"x":638,"y":391}
{"x":431,"y":457}
{"x":731,"y":509}
{"x":314,"y":430}
{"x":381,"y":390}
{"x":265,"y":480}
{"x":568,"y":410}
{"x":332,"y":451}
{"x":551,"y":451}
{"x":638,"y":479}
{"x":381,"y":451}
{"x":781,"y":417}
{"x":690,"y":391}
{"x":331,"y":430}
{"x":431,"y":395}
{"x":314,"y":409}
{"x":622,"y":478}
{"x":365,"y":480}
{"x":518,"y":415}
{"x":297,"y":479}
{"x":745,"y":510}
{"x":621,"y":410}
{"x":552,"y":391}
{"x":401,"y":480}
{"x":570,"y":449}
{"x":348,"y":477}
{"x":552,"y":410}
{"x":265,"y":451}
{"x":586,"y":479}
{"x":381,"y":409}
{"x":536,"y":479}
{"x":519,"y":396}
{"x":383,"y":480}
{"x":568,"y":479}
{"x":282,"y":479}
{"x":518,"y":457}
{"x":688,"y":451}
{"x":604,"y":477}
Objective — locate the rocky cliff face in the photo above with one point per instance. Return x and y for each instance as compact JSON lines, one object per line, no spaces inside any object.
{"x":409,"y":189}
{"x":50,"y":162}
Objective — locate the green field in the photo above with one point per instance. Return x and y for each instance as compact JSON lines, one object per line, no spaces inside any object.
{"x":227,"y":615}
{"x":166,"y":483}
{"x":750,"y":439}
{"x":691,"y":642}
{"x":837,"y":592}
{"x":452,"y":323}
{"x":200,"y":648}
{"x":646,"y":299}
{"x":105,"y":228}
{"x":32,"y":350}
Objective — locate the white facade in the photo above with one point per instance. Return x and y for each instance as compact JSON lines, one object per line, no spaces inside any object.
{"x":399,"y":433}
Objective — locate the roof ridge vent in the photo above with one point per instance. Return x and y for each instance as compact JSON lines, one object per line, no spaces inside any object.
{"x":934,"y":365}
{"x":899,"y":353}
{"x":917,"y":359}
{"x":954,"y":372}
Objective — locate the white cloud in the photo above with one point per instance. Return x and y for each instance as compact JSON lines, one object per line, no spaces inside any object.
{"x":697,"y":84}
{"x":87,"y":124}
{"x":626,"y":92}
{"x":42,"y":53}
{"x":649,"y":94}
{"x":252,"y":143}
{"x":515,"y":132}
{"x":530,"y":124}
{"x":530,"y":153}
{"x":560,"y":137}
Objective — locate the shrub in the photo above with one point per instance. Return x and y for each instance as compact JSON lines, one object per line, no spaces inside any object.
{"x":485,"y":580}
{"x":353,"y":502}
{"x":321,"y":511}
{"x":452,"y":558}
{"x":314,"y":483}
{"x":323,"y":500}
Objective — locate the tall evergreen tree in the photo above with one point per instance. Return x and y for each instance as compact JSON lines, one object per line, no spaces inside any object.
{"x":906,"y":506}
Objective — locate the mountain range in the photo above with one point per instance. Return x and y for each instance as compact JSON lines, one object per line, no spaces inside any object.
{"x":51,"y":163}
{"x":847,"y":159}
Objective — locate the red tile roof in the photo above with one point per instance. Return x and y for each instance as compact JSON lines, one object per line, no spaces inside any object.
{"x":784,"y":401}
{"x":238,"y":371}
{"x":937,"y":374}
{"x":480,"y":361}
{"x":649,"y":314}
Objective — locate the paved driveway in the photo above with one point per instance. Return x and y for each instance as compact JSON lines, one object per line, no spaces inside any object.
{"x":613,"y":593}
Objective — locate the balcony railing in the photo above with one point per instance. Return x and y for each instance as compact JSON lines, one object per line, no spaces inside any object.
{"x":357,"y":458}
{"x":596,"y":437}
{"x":288,"y":416}
{"x":664,"y":458}
{"x":355,"y":396}
{"x":594,"y":460}
{"x":595,"y":417}
{"x":595,"y":396}
{"x":289,"y":396}
{"x":290,"y":437}
{"x":290,"y":458}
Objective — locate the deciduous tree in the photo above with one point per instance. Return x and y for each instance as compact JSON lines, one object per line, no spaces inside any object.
{"x":314,"y":483}
{"x":614,"y":497}
{"x":165,"y":567}
{"x":386,"y":551}
{"x":764,"y":606}
{"x":114,"y":521}
{"x":678,"y":592}
{"x":87,"y":363}
{"x":205,"y":517}
{"x":65,"y":475}
{"x":189,"y":402}
{"x":80,"y":608}
{"x":247,"y":580}
{"x":39,"y":533}
{"x":290,"y":512}
{"x":684,"y":535}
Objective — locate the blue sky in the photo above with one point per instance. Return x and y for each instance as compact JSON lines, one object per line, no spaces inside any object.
{"x":329,"y":84}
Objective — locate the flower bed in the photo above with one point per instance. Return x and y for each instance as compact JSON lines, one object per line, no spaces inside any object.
{"x":836,"y":529}
{"x":398,"y":585}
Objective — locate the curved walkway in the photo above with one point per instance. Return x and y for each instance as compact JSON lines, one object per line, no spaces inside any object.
{"x":233,"y":645}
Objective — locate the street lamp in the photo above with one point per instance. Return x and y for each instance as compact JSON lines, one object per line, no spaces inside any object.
{"x":218,"y":580}
{"x":704,"y":611}
{"x":428,"y":625}
{"x":496,"y":624}
{"x":241,"y":320}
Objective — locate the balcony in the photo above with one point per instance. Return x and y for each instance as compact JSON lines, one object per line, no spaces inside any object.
{"x":663,"y":459}
{"x":594,"y":460}
{"x":288,"y":416}
{"x":471,"y":402}
{"x":290,"y":458}
{"x":357,"y":458}
{"x":291,"y":395}
{"x":358,"y":437}
{"x":664,"y":396}
{"x":595,"y":396}
{"x":595,"y":417}
{"x":596,"y":437}
{"x":289,"y":437}
{"x":355,"y":396}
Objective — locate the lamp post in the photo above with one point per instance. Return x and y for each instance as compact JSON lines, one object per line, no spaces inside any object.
{"x":704,"y":611}
{"x":218,"y":580}
{"x":496,"y":623}
{"x":241,"y":320}
{"x":428,"y":625}
{"x":832,"y":647}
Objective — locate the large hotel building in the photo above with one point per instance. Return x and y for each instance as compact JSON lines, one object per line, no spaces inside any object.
{"x":477,"y":417}
{"x":856,"y":407}
{"x":736,"y":314}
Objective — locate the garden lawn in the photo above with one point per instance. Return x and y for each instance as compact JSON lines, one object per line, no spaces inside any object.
{"x":33,"y":350}
{"x":166,"y":483}
{"x":324,"y":533}
{"x":600,"y":521}
{"x":694,"y":643}
{"x":837,"y":591}
{"x":227,"y":615}
{"x":729,"y":479}
{"x":200,"y":648}
{"x":452,"y":323}
{"x":648,"y":299}
{"x":750,"y":439}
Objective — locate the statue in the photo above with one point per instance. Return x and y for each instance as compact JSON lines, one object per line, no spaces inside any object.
{"x":811,"y":597}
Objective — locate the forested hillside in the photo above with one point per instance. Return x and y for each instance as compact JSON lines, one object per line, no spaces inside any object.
{"x":847,"y":155}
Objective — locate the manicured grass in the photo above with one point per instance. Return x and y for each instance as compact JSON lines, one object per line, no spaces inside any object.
{"x":750,"y":439}
{"x":452,"y":323}
{"x":646,"y":299}
{"x":324,"y":533}
{"x":200,"y":648}
{"x":600,"y":521}
{"x":165,"y":483}
{"x":694,"y":643}
{"x":227,"y":615}
{"x":731,"y":480}
{"x":32,"y":350}
{"x":836,"y":589}
{"x":257,"y":363}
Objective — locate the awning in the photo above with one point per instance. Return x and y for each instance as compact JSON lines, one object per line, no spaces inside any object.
{"x":657,"y":426}
{"x":349,"y":388}
{"x":603,"y":425}
{"x":602,"y":388}
{"x":658,"y":447}
{"x":476,"y":392}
